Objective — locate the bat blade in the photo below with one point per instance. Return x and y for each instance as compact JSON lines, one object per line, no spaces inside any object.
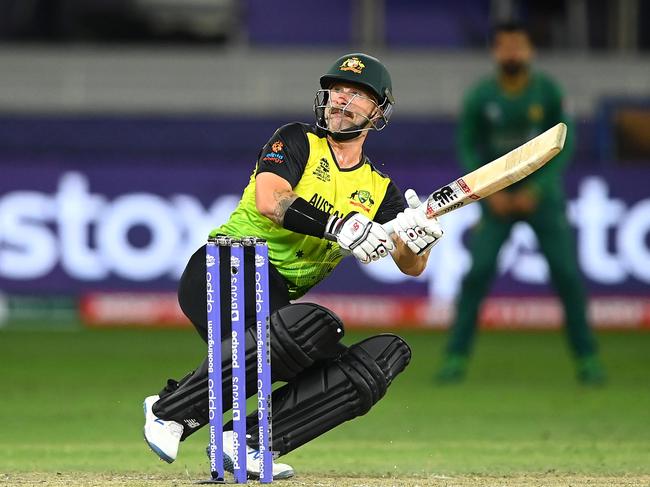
{"x":495,"y":175}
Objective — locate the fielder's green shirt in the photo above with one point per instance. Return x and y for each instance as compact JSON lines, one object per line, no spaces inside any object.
{"x":300,"y":153}
{"x":493,"y":122}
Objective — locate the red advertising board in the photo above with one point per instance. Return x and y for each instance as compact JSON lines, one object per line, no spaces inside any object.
{"x":390,"y":312}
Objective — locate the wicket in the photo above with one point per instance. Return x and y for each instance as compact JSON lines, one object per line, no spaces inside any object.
{"x":235,"y":248}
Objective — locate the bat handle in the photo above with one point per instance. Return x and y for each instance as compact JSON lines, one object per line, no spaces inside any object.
{"x":388,"y":226}
{"x":414,"y":202}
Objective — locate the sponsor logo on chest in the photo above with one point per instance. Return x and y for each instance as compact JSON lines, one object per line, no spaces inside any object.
{"x":362,"y":198}
{"x":322,"y":171}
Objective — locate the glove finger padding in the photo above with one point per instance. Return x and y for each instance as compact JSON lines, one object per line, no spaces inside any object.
{"x":361,"y":255}
{"x":379,"y":245}
{"x":430,"y":226}
{"x":367,"y":248}
{"x":366,"y":240}
{"x":421,"y":245}
{"x":374,"y":246}
{"x":404,"y":225}
{"x":414,"y":247}
{"x":413,"y":227}
{"x":412,"y":198}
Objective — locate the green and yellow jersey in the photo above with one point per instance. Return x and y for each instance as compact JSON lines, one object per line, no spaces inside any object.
{"x":493,"y":122}
{"x":300,"y":153}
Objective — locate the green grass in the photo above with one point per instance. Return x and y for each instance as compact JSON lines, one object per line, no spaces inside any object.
{"x":71,"y":401}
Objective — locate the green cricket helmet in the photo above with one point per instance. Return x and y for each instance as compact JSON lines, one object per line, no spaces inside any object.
{"x":366,"y":71}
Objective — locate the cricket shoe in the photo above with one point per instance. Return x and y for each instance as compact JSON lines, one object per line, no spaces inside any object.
{"x":280,"y":470}
{"x":162,"y":436}
{"x":453,"y":369}
{"x":590,"y":371}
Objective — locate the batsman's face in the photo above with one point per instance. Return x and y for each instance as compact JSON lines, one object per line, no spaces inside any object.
{"x":349,"y":106}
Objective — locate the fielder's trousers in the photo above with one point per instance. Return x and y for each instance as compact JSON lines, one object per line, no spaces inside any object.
{"x":557,"y":244}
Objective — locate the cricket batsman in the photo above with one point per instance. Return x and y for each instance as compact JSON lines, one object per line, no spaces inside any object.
{"x":314,"y":196}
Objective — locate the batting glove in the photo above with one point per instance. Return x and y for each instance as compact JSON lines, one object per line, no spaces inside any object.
{"x":412,"y":226}
{"x":367,"y":240}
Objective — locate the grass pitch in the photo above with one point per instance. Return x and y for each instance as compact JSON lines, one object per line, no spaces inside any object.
{"x":72,"y":415}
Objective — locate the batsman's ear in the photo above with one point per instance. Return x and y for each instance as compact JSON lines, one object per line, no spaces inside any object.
{"x":412,"y":198}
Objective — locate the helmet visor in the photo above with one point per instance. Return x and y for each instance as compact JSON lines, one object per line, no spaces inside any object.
{"x":355,"y":113}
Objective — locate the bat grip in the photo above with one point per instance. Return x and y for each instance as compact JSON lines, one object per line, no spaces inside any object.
{"x":388,"y":226}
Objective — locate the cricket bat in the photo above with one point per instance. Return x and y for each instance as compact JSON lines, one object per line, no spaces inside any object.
{"x":495,"y":175}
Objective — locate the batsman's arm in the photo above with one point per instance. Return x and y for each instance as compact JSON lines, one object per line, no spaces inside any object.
{"x":275,"y":199}
{"x":273,"y":196}
{"x":407,"y":261}
{"x":280,"y":165}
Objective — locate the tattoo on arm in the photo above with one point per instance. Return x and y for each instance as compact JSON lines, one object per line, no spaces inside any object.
{"x":283,"y":200}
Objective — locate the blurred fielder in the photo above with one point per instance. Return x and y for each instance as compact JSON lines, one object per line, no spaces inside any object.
{"x":314,"y":196}
{"x":500,"y":113}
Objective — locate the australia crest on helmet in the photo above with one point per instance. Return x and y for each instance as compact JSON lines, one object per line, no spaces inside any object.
{"x":353,"y":64}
